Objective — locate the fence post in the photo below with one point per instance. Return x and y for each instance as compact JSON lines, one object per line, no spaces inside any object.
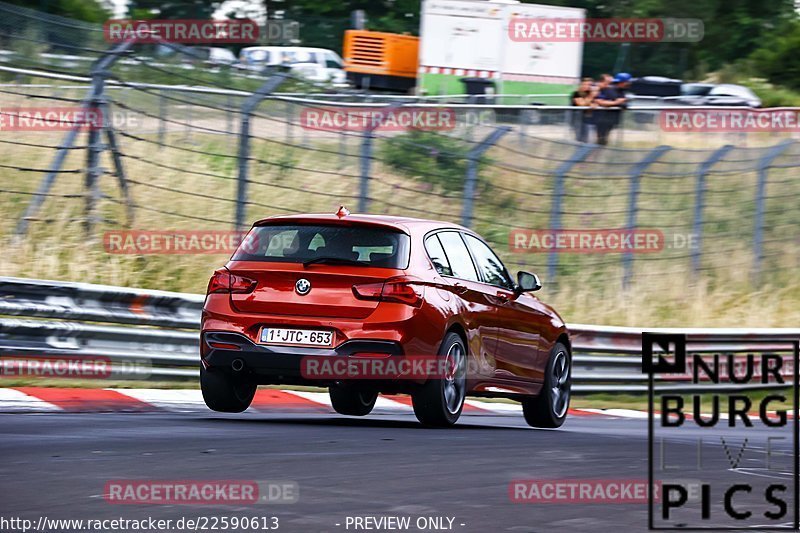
{"x":471,"y":182}
{"x":342,"y":150}
{"x":248,"y":107}
{"x":289,"y":107}
{"x":304,"y":131}
{"x":93,"y":151}
{"x":699,"y":202}
{"x":162,"y":115}
{"x":119,"y":168}
{"x":365,"y":161}
{"x":228,"y":114}
{"x":98,"y":105}
{"x":188,"y":118}
{"x":581,"y":152}
{"x":633,"y":196}
{"x":764,"y":165}
{"x":471,"y":122}
{"x":229,"y":119}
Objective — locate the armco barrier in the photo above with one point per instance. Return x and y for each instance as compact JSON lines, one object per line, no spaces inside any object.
{"x":157,"y":330}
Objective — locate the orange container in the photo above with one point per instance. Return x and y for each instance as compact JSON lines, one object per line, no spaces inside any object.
{"x":380,"y":60}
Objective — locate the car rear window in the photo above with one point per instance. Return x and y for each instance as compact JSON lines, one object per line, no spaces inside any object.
{"x":376,"y":247}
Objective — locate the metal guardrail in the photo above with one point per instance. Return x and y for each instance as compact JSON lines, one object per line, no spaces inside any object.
{"x":149,"y":334}
{"x":90,"y":320}
{"x":99,"y":303}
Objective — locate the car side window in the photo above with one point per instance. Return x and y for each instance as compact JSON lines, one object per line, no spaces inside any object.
{"x":331,"y":61}
{"x":437,"y":256}
{"x":458,"y":255}
{"x":492,"y":270}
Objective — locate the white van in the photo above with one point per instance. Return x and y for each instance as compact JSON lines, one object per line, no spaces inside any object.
{"x":315,"y":64}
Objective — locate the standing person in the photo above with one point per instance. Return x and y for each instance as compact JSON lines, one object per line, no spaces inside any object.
{"x":583,"y":96}
{"x":611,"y":94}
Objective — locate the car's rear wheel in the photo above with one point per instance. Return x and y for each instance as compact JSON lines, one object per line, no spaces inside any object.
{"x":225,"y":392}
{"x":549,"y":408}
{"x":352,"y":400}
{"x":439,"y":402}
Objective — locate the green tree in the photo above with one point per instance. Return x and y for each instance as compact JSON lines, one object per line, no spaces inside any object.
{"x":384,"y":15}
{"x":323,"y":22}
{"x":733,"y":29}
{"x":84,"y":10}
{"x":778,"y":59}
{"x":172,"y":9}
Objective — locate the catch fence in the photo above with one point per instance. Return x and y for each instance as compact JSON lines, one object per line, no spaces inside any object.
{"x":186,"y":145}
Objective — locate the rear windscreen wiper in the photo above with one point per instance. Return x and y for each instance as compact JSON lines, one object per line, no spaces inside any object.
{"x":334,"y":261}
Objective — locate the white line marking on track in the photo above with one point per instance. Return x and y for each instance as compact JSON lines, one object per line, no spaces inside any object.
{"x":620,"y":413}
{"x":496,"y":407}
{"x":321,"y":398}
{"x":392,"y":405}
{"x":171,"y":400}
{"x":12,"y":401}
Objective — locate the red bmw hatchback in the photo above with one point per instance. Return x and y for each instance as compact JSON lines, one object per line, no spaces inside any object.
{"x":308,"y":292}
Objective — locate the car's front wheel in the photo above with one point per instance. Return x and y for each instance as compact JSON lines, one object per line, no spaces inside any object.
{"x":439,"y":402}
{"x":351,"y":400}
{"x":549,"y":408}
{"x":226,"y":392}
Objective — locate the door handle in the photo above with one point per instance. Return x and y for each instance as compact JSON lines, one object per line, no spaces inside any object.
{"x":459,"y":288}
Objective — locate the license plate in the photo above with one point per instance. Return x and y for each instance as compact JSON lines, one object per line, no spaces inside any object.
{"x":296,"y":337}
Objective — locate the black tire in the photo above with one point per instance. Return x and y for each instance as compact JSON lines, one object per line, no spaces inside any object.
{"x":439,"y":402}
{"x":549,"y":409}
{"x":352,"y":400}
{"x":224,"y":392}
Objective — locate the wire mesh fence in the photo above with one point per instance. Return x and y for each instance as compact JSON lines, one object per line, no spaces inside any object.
{"x":721,"y":214}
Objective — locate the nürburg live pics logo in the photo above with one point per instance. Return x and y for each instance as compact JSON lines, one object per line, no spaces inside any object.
{"x":723,"y":431}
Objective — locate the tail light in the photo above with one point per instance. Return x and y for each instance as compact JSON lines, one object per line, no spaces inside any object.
{"x":225,"y":346}
{"x":399,"y":290}
{"x":226,"y":283}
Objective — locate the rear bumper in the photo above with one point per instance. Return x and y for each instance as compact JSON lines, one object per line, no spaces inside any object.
{"x":283,"y":364}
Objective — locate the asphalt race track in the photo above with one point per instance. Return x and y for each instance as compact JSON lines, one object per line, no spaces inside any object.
{"x":373,"y":466}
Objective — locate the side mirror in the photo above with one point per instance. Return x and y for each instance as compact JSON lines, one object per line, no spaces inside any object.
{"x":527,"y":282}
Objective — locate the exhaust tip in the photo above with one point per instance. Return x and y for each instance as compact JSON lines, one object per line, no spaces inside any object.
{"x":237,"y":365}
